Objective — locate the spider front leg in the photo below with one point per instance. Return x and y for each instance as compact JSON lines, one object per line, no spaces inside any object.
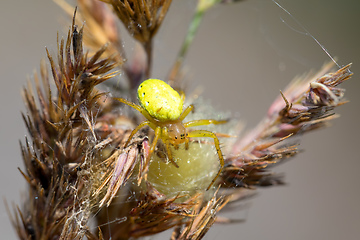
{"x":144,"y":169}
{"x":204,"y":133}
{"x":133,"y":105}
{"x":136,"y":130}
{"x":187,"y":142}
{"x":153,"y":144}
{"x":203,"y":122}
{"x":186,"y":112}
{"x":166,"y":140}
{"x":136,"y":107}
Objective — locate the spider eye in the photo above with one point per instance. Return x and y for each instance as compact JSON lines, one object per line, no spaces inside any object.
{"x":175,"y":137}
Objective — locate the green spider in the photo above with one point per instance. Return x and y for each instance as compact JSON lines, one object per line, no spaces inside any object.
{"x":162,"y":107}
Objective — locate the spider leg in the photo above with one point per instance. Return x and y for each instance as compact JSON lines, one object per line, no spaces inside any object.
{"x":182,"y":95}
{"x":187,"y":142}
{"x":153,"y":144}
{"x":186,"y":112}
{"x":131,"y":104}
{"x":136,"y":130}
{"x":167,"y":144}
{"x":137,"y":107}
{"x":145,"y":167}
{"x":202,"y":122}
{"x":204,"y":133}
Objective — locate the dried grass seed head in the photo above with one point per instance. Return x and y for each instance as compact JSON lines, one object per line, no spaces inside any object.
{"x":141,"y":18}
{"x":61,"y":129}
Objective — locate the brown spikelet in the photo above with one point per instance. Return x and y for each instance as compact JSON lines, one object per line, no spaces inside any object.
{"x":204,"y":218}
{"x":142,"y":18}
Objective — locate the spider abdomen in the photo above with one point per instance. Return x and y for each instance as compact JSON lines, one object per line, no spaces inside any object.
{"x":160,"y":100}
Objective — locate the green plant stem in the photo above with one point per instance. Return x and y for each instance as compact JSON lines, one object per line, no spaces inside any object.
{"x":194,"y":25}
{"x":148,"y":46}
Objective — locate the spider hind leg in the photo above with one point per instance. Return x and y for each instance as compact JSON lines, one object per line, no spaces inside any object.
{"x":205,"y":133}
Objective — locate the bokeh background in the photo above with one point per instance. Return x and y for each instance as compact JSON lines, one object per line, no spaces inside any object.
{"x":242,"y":56}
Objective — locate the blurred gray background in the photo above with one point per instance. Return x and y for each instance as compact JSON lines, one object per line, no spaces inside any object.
{"x":243,"y":55}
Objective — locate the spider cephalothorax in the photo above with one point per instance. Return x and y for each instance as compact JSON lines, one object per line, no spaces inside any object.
{"x":162,"y":107}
